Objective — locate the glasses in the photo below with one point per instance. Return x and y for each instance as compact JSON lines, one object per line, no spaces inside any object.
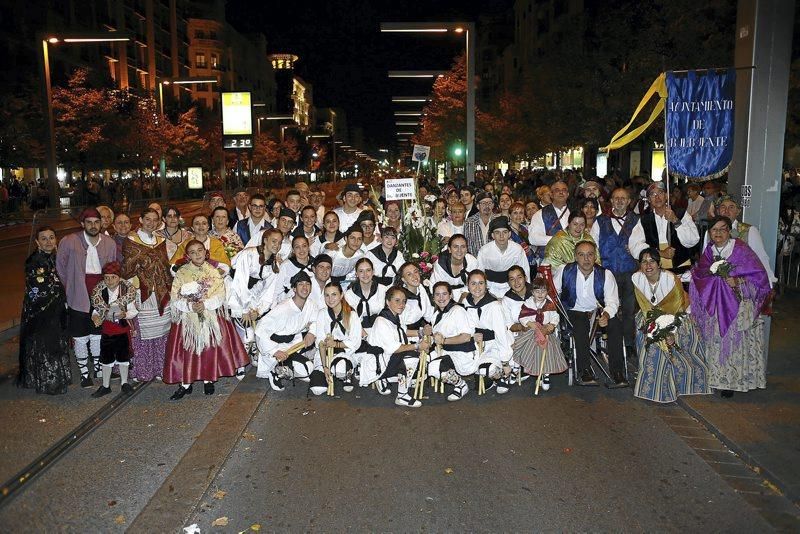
{"x":258,"y":206}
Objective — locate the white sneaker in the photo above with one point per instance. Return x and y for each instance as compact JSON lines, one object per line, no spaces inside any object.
{"x":459,"y":391}
{"x":546,"y":383}
{"x":407,"y":401}
{"x":383,"y":387}
{"x":502,"y":386}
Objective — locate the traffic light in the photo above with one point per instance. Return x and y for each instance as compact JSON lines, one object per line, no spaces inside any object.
{"x":458,"y":151}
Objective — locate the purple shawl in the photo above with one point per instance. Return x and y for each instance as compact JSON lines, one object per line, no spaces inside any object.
{"x":713,"y":300}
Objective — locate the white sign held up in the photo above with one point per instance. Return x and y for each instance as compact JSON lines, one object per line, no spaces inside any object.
{"x":195,"y":178}
{"x":400,"y":189}
{"x":420,"y":153}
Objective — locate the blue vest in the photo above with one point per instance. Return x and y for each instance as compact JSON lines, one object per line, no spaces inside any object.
{"x":568,"y":278}
{"x":552,"y":224}
{"x":613,"y":249}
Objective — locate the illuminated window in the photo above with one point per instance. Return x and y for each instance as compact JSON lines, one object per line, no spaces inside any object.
{"x":200,"y":60}
{"x":214,"y":61}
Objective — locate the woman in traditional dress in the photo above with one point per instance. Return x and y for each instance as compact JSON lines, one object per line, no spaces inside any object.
{"x":203,"y":344}
{"x":454,"y":354}
{"x":492,"y":338}
{"x":339,"y":328}
{"x":727,"y":307}
{"x":454,"y":265}
{"x":216,"y":250}
{"x":537,"y":348}
{"x":145,"y":263}
{"x":230,"y":239}
{"x":298,"y":260}
{"x":43,"y":344}
{"x":328,"y":239}
{"x":590,"y":208}
{"x":386,"y":258}
{"x":399,"y":357}
{"x":418,"y":311}
{"x":172,"y":231}
{"x":676,"y":367}
{"x":519,"y":232}
{"x":560,"y":250}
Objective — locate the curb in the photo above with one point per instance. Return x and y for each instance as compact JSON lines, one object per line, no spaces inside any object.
{"x":742,"y":453}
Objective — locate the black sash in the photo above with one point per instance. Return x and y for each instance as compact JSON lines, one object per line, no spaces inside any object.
{"x":467,"y":346}
{"x":488,"y":335}
{"x":498,"y":277}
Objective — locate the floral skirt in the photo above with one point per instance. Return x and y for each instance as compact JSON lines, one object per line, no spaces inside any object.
{"x":215,"y":361}
{"x":663,"y":375}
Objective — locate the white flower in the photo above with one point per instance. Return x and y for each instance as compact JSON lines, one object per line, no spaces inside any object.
{"x":190,"y":288}
{"x":415,"y":256}
{"x":665,"y":321}
{"x":430,"y":198}
{"x":716,"y":265}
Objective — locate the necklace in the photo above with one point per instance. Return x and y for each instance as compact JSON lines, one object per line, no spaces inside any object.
{"x":653,"y":289}
{"x":718,"y":251}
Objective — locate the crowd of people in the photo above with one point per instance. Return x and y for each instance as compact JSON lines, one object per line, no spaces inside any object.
{"x":534,"y":277}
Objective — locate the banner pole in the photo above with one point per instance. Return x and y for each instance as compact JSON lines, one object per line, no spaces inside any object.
{"x":419,"y":164}
{"x":666,"y":158}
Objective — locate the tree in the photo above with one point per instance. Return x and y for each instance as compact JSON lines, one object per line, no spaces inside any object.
{"x":185,"y":145}
{"x":21,"y":130}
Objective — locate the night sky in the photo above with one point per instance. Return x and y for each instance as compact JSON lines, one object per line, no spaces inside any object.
{"x":345,"y":57}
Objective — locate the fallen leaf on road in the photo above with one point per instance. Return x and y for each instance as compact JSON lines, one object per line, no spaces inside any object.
{"x":220,"y":522}
{"x":120,"y":520}
{"x":219,"y":494}
{"x":112,"y":503}
{"x":255,"y":527}
{"x":448,"y":471}
{"x":249,"y":436}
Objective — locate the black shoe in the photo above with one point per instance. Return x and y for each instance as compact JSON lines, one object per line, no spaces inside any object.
{"x":587,"y":378}
{"x":348,"y":382}
{"x":87,"y":382}
{"x":275,"y":381}
{"x":726,"y":393}
{"x":101,"y":392}
{"x":619,"y":380}
{"x":181,"y":392}
{"x":208,"y":388}
{"x":127,"y":389}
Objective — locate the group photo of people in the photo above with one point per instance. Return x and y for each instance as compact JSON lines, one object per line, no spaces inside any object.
{"x":523,"y":281}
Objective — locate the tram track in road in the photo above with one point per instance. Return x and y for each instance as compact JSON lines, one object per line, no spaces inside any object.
{"x":19,"y":482}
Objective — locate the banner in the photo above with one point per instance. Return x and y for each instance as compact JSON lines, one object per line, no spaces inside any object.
{"x":399,"y":189}
{"x":623,"y":137}
{"x":420,"y":153}
{"x":700,"y":123}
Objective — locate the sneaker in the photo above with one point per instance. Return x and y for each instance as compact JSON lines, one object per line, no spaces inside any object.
{"x":101,"y":392}
{"x":240,"y":374}
{"x":383,"y":387}
{"x":459,"y":390}
{"x":407,"y":401}
{"x":348,"y":382}
{"x":503,"y":386}
{"x":546,"y":383}
{"x":127,"y":389}
{"x":275,"y":381}
{"x":87,"y":382}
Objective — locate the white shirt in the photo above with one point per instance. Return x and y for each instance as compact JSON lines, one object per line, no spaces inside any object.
{"x":537,"y":234}
{"x":687,"y":234}
{"x":92,"y":258}
{"x":284,"y":319}
{"x":446,"y":229}
{"x":693,"y":207}
{"x":490,"y":257}
{"x":585,"y":300}
{"x":666,"y":282}
{"x":346,"y":220}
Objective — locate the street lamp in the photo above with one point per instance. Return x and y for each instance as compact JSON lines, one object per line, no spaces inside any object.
{"x":103,"y":37}
{"x":458,"y":28}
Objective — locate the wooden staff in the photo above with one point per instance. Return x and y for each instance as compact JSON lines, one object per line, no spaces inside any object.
{"x":481,"y":381}
{"x":297,"y":347}
{"x":541,"y":370}
{"x":438,"y":385}
{"x":328,"y":363}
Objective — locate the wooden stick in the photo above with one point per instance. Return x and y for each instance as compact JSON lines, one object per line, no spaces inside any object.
{"x":481,"y":382}
{"x":297,"y":347}
{"x":330,"y":371}
{"x":541,"y":369}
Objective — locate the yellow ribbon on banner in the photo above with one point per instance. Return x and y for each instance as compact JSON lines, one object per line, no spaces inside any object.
{"x":621,"y":138}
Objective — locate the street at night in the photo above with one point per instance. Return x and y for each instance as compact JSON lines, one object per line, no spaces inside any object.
{"x":353,"y":266}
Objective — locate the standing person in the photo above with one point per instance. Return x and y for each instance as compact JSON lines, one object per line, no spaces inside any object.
{"x":454,"y":224}
{"x":344,"y":260}
{"x":122,"y":228}
{"x":173,"y":232}
{"x":662,"y":229}
{"x":613,"y":241}
{"x":113,"y":303}
{"x":315,"y":199}
{"x":328,"y":240}
{"x":273,"y":211}
{"x":79,"y":261}
{"x":491,"y":333}
{"x":454,"y":265}
{"x":43,"y":344}
{"x":590,"y":209}
{"x":544,"y":194}
{"x":551,"y":219}
{"x":367,"y":223}
{"x":468,"y":201}
{"x":338,"y":327}
{"x":144,"y":260}
{"x":308,"y":224}
{"x":676,"y":367}
{"x":519,"y":233}
{"x":476,"y":227}
{"x":399,"y":356}
{"x":323,"y":264}
{"x":106,"y":219}
{"x":241,"y":201}
{"x":499,"y":254}
{"x":256,"y":221}
{"x":587,"y":289}
{"x":294,"y":202}
{"x":454,"y":355}
{"x":531,"y":207}
{"x":203,"y":344}
{"x":393,"y":216}
{"x":386,"y":258}
{"x":231,"y":241}
{"x":213,"y":245}
{"x":298,"y":260}
{"x":348,"y":212}
{"x":695,"y":201}
{"x":288,"y":323}
{"x":504,"y":202}
{"x":366,"y":295}
{"x":728,"y":310}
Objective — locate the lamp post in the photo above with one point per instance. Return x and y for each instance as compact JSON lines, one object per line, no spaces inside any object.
{"x":467,"y":28}
{"x":105,"y":37}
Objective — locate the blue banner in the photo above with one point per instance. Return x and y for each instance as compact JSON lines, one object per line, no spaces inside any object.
{"x":700,"y":123}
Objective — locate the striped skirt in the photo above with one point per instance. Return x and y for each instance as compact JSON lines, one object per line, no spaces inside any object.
{"x":529,"y":355}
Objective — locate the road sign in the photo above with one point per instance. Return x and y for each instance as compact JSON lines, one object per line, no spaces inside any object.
{"x":420,"y":153}
{"x":400,"y":189}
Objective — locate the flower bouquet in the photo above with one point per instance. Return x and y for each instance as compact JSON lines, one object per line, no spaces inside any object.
{"x":195,"y":292}
{"x":721,"y":267}
{"x":660,"y":328}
